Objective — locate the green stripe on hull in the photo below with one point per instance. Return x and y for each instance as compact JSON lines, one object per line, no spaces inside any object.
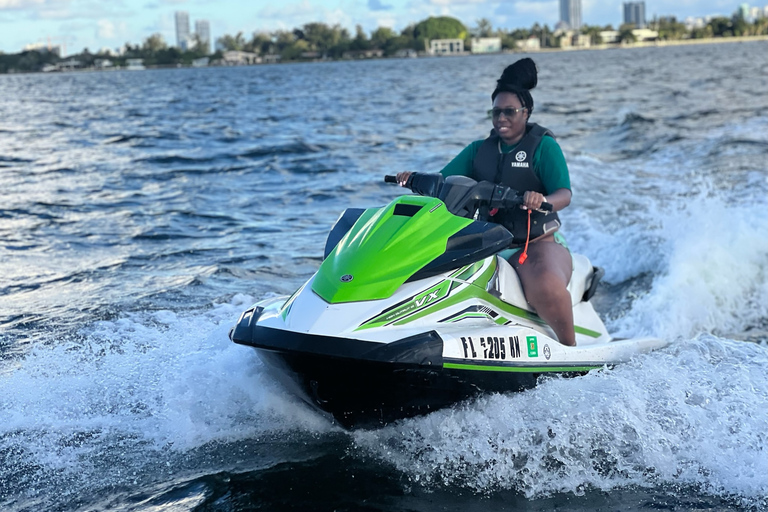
{"x":520,"y":369}
{"x":586,"y":332}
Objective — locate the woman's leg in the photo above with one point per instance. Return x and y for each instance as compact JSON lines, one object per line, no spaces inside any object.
{"x":545,"y":276}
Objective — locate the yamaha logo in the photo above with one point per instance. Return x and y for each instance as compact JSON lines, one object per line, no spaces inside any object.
{"x":346,"y":278}
{"x":520,"y":156}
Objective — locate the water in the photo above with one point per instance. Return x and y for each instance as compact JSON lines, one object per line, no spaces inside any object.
{"x":141,"y":212}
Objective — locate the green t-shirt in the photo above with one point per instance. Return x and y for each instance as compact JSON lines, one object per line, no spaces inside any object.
{"x":548,"y":163}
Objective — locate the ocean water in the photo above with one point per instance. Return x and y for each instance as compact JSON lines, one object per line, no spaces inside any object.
{"x":141,"y":212}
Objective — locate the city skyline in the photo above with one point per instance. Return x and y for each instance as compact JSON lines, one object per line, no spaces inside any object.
{"x":79,"y":24}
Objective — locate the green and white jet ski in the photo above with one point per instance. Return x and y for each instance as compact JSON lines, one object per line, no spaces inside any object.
{"x":413,"y":310}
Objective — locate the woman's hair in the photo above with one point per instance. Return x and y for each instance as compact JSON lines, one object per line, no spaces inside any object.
{"x":518,"y":78}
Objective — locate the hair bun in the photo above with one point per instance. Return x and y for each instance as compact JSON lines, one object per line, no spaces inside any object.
{"x":522,"y":74}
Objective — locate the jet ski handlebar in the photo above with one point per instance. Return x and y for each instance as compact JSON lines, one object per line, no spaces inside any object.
{"x":462,"y":193}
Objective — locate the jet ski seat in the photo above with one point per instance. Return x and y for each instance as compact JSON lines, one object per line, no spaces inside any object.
{"x":582,"y":286}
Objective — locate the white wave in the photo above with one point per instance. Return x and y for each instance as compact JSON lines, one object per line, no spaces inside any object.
{"x":144,"y":386}
{"x":703,"y":249}
{"x":712,"y":276}
{"x":692,"y":415}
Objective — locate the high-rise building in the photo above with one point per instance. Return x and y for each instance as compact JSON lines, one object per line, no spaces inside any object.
{"x":203,"y":31}
{"x":570,"y":13}
{"x":634,"y":14}
{"x":182,"y":30}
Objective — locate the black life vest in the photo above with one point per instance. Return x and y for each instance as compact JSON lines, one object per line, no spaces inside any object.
{"x":515,"y":170}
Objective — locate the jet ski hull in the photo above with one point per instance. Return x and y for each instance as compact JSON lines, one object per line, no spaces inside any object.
{"x":363,"y":384}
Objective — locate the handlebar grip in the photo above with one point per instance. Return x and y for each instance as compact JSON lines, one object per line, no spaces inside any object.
{"x":547,"y":207}
{"x":390,"y":179}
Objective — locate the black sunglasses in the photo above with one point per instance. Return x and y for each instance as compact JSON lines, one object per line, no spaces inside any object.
{"x":508,"y":112}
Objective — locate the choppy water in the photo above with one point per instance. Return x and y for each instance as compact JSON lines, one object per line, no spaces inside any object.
{"x":140,"y":212}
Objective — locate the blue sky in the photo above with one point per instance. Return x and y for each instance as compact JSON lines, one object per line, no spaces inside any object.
{"x":97,"y":24}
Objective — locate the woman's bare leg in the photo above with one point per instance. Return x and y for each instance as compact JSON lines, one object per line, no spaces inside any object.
{"x":545,"y":276}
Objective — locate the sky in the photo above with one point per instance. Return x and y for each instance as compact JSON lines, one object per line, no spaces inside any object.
{"x":98,"y":24}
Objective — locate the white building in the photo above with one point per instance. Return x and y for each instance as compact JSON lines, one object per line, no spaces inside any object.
{"x":235,"y":58}
{"x":182,"y":30}
{"x":634,"y":14}
{"x":446,"y":46}
{"x":570,"y":13}
{"x":531,"y":44}
{"x":645,"y":34}
{"x":610,"y":36}
{"x":203,"y":32}
{"x":486,"y":44}
{"x":134,"y":64}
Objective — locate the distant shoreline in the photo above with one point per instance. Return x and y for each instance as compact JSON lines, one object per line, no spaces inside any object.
{"x":612,"y":46}
{"x":647,"y":44}
{"x":680,"y":42}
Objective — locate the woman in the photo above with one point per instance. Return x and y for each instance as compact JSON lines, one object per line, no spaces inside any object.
{"x":526,"y":157}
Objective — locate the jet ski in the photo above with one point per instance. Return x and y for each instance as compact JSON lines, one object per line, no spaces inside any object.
{"x":413,"y":310}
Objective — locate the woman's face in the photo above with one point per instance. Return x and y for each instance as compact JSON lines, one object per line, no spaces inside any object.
{"x":510,"y":128}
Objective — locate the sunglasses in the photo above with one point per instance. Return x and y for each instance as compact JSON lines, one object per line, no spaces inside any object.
{"x":508,"y":112}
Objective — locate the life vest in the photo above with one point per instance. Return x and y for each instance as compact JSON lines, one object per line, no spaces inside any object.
{"x":515,"y":170}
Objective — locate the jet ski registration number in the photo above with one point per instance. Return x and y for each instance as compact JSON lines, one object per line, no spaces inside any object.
{"x":491,"y":347}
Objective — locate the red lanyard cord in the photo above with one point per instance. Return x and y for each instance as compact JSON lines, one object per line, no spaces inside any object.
{"x":524,"y":256}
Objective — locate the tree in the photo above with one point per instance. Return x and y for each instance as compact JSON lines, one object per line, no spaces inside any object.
{"x":443,"y":27}
{"x":381,"y":36}
{"x":721,"y":26}
{"x":509,"y":39}
{"x":360,"y":42}
{"x":322,"y":38}
{"x":199,"y":47}
{"x":230,"y":43}
{"x":670,"y":29}
{"x":484,"y":28}
{"x":701,"y":33}
{"x":283,"y":39}
{"x":154,"y":44}
{"x":171,"y":56}
{"x":625,"y":33}
{"x":544,"y":35}
{"x":739,"y":27}
{"x":593,"y":31}
{"x":260,"y":43}
{"x":295,"y":49}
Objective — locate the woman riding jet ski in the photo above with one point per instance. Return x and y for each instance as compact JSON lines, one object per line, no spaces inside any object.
{"x":413,"y":309}
{"x":526,"y":157}
{"x":416,"y":306}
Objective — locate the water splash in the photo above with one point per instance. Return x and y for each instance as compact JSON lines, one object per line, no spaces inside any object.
{"x":692,"y":415}
{"x":123,"y":399}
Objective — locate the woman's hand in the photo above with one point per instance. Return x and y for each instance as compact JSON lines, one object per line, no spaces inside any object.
{"x":532,"y":200}
{"x":559,"y":199}
{"x":402,"y":177}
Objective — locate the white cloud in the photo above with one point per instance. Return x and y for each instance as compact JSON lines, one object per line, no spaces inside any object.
{"x":296,"y":14}
{"x":106,"y":29}
{"x":31,"y":5}
{"x":19,"y":4}
{"x":541,"y":9}
{"x":456,"y":2}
